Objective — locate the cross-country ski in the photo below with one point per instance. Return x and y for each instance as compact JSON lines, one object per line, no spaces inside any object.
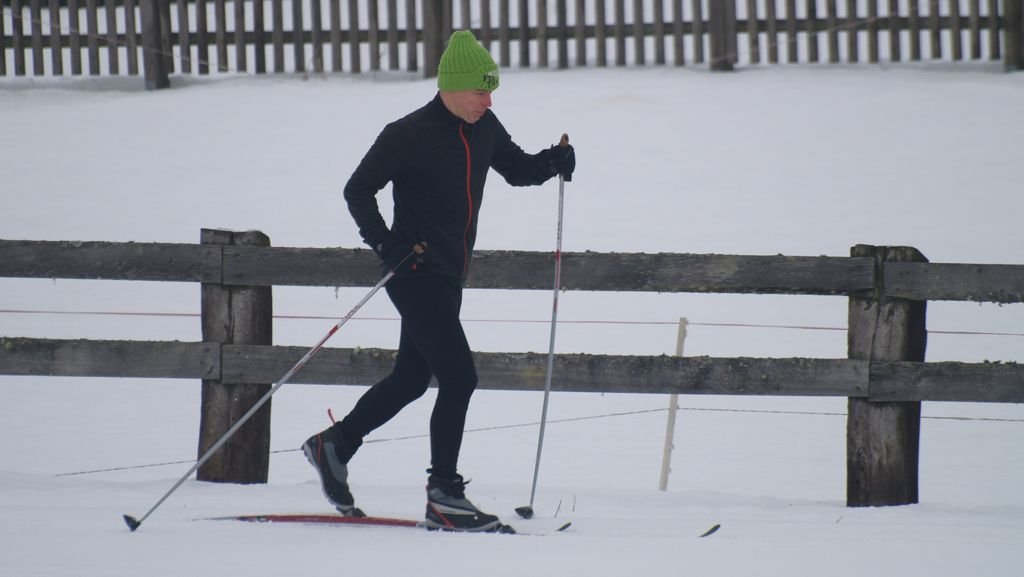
{"x":331,"y":519}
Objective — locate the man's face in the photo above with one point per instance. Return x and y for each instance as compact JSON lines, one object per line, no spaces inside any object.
{"x":468,"y":105}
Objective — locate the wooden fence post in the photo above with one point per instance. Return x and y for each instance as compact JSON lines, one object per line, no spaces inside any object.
{"x":237,"y":315}
{"x":722,"y":34}
{"x":153,"y":61}
{"x":1013,"y":35}
{"x":882,"y":443}
{"x":433,"y":36}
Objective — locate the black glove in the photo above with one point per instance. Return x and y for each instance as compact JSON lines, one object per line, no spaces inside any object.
{"x":401,"y":257}
{"x":559,"y":160}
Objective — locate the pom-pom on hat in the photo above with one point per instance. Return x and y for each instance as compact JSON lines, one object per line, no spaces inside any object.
{"x":466,"y":65}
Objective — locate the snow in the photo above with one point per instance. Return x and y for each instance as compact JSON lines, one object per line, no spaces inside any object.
{"x":799,"y":161}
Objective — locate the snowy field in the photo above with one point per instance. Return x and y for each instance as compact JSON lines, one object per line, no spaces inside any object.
{"x":796,"y":161}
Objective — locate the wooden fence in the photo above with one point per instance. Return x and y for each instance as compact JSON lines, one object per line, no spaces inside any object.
{"x":75,"y":37}
{"x":884,"y":378}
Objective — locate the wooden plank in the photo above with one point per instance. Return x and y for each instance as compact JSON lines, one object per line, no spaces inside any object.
{"x":883,"y":438}
{"x":994,"y":48}
{"x":3,"y":42}
{"x":184,"y":38}
{"x":249,"y":363}
{"x":486,"y":35}
{"x":934,"y":32}
{"x":674,"y":375}
{"x":731,"y":36}
{"x":373,"y":34}
{"x":466,"y":21}
{"x":298,"y":38}
{"x":300,"y":266}
{"x":504,"y":34}
{"x":1013,"y":35}
{"x":153,"y":62}
{"x":658,"y":31}
{"x":974,"y":25}
{"x":662,"y":272}
{"x":542,"y":33}
{"x":872,"y":28}
{"x":202,"y":40}
{"x":259,"y":38}
{"x":166,"y":39}
{"x":56,"y":50}
{"x":600,"y":34}
{"x":433,"y":39}
{"x":886,"y":381}
{"x":355,"y":58}
{"x":392,"y":35}
{"x":131,"y":37}
{"x":277,"y":32}
{"x":832,"y":34}
{"x":36,"y":24}
{"x":719,"y":29}
{"x":524,"y":33}
{"x":639,"y":52}
{"x":92,"y":36}
{"x":957,"y":382}
{"x":619,"y":27}
{"x":221,"y":35}
{"x":812,"y":30}
{"x":771,"y":15}
{"x":956,"y":38}
{"x":572,"y":372}
{"x":411,"y":42}
{"x":562,"y":33}
{"x":113,"y":57}
{"x":673,"y":272}
{"x":792,"y":47}
{"x":334,"y":14}
{"x":316,"y":37}
{"x":895,"y":46}
{"x":914,"y":26}
{"x":753,"y":33}
{"x":107,"y":260}
{"x":102,"y":358}
{"x":889,"y":381}
{"x":579,"y":34}
{"x":678,"y":39}
{"x":75,"y":33}
{"x":241,"y":61}
{"x":951,"y":281}
{"x":580,"y":271}
{"x":235,"y":315}
{"x":853,"y":26}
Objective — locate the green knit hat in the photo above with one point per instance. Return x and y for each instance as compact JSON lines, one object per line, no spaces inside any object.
{"x":466,"y":65}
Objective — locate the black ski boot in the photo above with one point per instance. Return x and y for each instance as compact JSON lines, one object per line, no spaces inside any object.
{"x":448,"y":508}
{"x":329,"y":452}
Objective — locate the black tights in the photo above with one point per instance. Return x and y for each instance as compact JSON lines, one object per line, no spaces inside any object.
{"x":432,"y":343}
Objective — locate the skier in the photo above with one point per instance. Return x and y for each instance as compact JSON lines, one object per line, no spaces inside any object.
{"x":436,"y":159}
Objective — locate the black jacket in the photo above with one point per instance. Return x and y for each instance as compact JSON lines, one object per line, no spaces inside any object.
{"x":437,"y":164}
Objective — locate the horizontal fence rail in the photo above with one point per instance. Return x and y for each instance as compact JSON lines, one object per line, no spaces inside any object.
{"x":884,"y":378}
{"x":874,"y":381}
{"x":590,"y":271}
{"x":118,"y":37}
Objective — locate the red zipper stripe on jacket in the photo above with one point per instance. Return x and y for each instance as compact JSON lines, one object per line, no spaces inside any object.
{"x":469,"y":203}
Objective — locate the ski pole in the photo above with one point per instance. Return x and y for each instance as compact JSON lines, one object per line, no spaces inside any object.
{"x":134,"y":523}
{"x":527,"y":511}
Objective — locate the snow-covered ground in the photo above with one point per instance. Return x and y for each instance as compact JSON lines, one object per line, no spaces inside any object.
{"x":798,"y":161}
